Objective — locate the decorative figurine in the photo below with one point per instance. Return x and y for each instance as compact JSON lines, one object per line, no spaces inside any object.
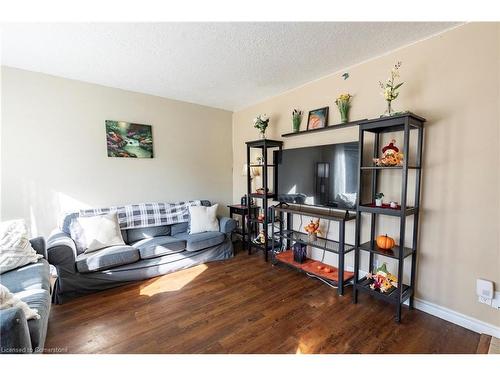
{"x":385,"y":242}
{"x":392,"y":157}
{"x":299,"y":252}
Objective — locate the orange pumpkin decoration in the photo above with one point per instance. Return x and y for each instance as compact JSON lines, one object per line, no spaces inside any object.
{"x":385,"y":242}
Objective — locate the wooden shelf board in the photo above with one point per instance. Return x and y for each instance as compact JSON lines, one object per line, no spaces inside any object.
{"x":329,"y":127}
{"x":393,"y":253}
{"x":392,"y":296}
{"x":311,"y":266}
{"x":371,"y":208}
{"x":322,"y":213}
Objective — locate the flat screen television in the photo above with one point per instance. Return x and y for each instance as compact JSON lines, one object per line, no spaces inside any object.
{"x":325,"y":175}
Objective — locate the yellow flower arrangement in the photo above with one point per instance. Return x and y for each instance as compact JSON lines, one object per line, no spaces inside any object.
{"x":343,"y":104}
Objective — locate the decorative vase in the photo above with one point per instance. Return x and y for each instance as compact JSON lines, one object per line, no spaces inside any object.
{"x":296,"y":124}
{"x":262,"y":135}
{"x":344,"y":114}
{"x":378,"y":202}
{"x":313,"y":237}
{"x":389,"y":111}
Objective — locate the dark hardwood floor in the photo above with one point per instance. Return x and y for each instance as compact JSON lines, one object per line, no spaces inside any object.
{"x":244,"y":305}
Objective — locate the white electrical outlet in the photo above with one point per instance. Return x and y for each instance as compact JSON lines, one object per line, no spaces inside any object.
{"x":486,"y":301}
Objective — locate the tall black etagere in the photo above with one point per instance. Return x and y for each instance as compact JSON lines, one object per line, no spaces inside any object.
{"x":264,"y":146}
{"x":408,"y":123}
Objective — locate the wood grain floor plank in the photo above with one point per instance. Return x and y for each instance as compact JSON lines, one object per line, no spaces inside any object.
{"x":244,"y":305}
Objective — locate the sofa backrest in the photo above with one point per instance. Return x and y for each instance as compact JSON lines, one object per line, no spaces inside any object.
{"x":136,"y":234}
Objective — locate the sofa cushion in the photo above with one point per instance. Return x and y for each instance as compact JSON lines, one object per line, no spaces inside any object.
{"x":107,"y":258}
{"x":31,"y":276}
{"x":40,"y":300}
{"x":179,"y":228}
{"x":203,"y":219}
{"x":137,"y":234}
{"x":158,"y":246}
{"x":199,"y":241}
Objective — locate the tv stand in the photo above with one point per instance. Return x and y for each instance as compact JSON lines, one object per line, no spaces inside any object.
{"x":338,"y":277}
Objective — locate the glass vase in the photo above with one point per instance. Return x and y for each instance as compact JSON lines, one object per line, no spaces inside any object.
{"x":344,"y":115}
{"x":296,"y":124}
{"x":263,"y":135}
{"x":389,"y":111}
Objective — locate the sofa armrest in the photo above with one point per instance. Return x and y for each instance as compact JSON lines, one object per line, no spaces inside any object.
{"x":61,"y":249}
{"x":14,"y":332}
{"x":38,"y":243}
{"x":227,"y":225}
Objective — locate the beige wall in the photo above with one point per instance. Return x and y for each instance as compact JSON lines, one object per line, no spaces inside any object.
{"x":453,"y":81}
{"x":54,"y":149}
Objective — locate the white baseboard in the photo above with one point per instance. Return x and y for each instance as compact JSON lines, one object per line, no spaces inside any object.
{"x":457,"y":318}
{"x":449,"y":315}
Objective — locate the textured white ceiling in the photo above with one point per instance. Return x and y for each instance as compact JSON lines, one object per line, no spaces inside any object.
{"x":223,"y":65}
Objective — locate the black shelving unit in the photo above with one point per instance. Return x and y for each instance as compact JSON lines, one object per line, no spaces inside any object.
{"x":290,"y":235}
{"x":264,"y":146}
{"x":408,"y":123}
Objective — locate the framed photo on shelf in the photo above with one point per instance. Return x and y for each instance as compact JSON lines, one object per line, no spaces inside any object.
{"x":318,"y":118}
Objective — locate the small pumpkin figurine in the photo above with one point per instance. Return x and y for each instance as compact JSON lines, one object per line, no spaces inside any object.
{"x":385,"y":242}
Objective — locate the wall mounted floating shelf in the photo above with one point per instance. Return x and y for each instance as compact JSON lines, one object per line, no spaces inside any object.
{"x":329,"y":127}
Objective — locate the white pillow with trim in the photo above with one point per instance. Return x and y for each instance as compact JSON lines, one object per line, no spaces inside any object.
{"x":203,"y":219}
{"x":100,"y":231}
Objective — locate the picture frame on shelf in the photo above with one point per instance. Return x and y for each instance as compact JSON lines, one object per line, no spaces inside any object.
{"x":317,"y":118}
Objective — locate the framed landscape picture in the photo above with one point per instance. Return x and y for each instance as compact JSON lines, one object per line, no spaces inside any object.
{"x":129,"y":140}
{"x":318,"y":118}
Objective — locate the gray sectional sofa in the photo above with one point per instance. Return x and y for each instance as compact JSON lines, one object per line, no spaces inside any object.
{"x":150,"y":252}
{"x":31,"y":284}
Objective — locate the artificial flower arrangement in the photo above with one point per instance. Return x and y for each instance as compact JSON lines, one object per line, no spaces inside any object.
{"x":382,"y":280}
{"x":312,"y":229}
{"x":343,"y":103}
{"x":391,"y":157}
{"x":296,"y":119}
{"x":261,"y":122}
{"x":390,"y":88}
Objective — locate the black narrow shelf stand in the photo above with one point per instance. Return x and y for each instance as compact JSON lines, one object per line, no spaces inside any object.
{"x":263,"y":145}
{"x":329,"y":127}
{"x":405,"y":122}
{"x":290,"y":235}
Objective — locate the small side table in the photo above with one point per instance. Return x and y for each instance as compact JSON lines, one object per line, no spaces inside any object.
{"x":238,"y":209}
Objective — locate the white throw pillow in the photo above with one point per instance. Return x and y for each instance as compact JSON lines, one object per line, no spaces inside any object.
{"x":8,"y":300}
{"x":203,"y":219}
{"x":100,"y":231}
{"x":15,"y":247}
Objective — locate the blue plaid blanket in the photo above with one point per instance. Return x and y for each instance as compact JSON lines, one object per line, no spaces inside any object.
{"x":146,"y":214}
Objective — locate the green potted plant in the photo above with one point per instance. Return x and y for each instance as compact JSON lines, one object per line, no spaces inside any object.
{"x":261,"y":122}
{"x":378,"y":199}
{"x":296,"y":120}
